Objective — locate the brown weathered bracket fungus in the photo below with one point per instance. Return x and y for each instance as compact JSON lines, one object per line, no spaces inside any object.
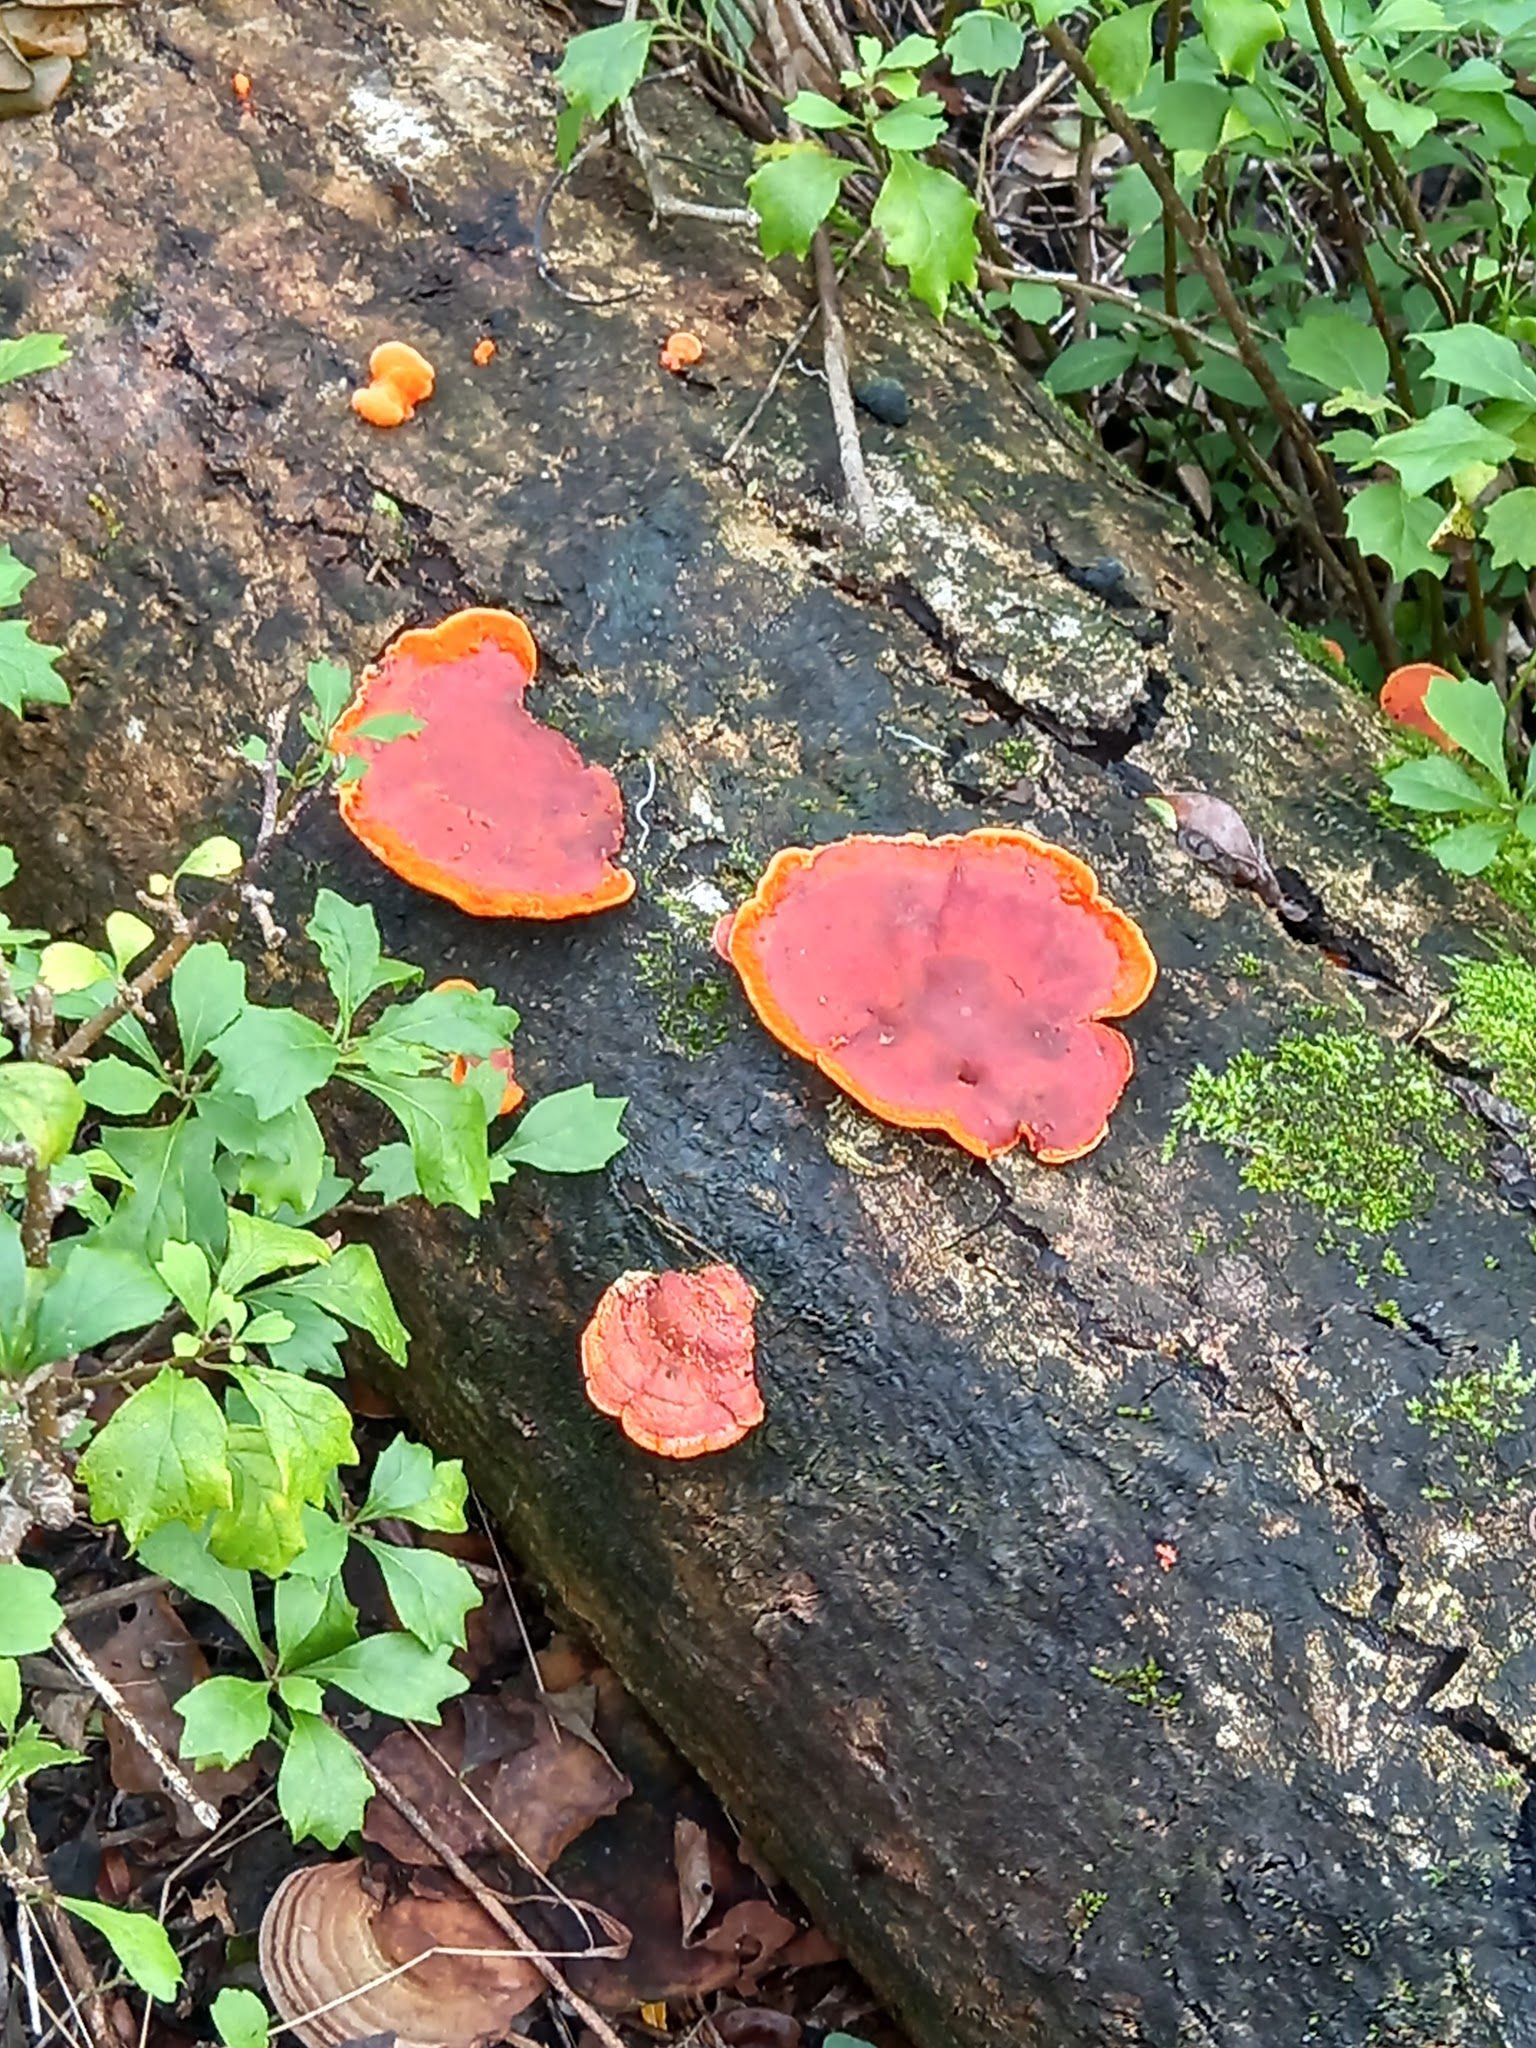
{"x":920,"y":1628}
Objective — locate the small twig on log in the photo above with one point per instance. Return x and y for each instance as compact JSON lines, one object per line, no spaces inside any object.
{"x":85,"y":1667}
{"x":791,"y":349}
{"x":834,"y":356}
{"x":114,"y":1596}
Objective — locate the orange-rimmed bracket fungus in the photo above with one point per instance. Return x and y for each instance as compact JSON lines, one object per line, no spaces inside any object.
{"x":399,"y":378}
{"x":957,"y":984}
{"x":477,"y":801}
{"x":680,"y":351}
{"x":513,"y":1095}
{"x":672,"y":1356}
{"x":1402,"y":699}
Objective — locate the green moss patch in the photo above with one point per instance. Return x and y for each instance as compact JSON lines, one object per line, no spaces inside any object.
{"x":1496,"y":1008}
{"x":1340,"y":1120}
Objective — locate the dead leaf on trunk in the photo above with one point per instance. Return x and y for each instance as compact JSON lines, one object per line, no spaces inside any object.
{"x":152,"y":1660}
{"x":695,"y":1885}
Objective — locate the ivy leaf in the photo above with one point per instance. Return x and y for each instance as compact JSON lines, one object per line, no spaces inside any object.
{"x":26,"y":669}
{"x":308,"y":1430}
{"x":1120,"y":50}
{"x":912,"y":124}
{"x":25,"y":354}
{"x":346,"y":936}
{"x":207,"y":995}
{"x":14,"y":575}
{"x":410,"y":1485}
{"x":223,"y":1719}
{"x":575,"y":1131}
{"x":119,"y":1087}
{"x":388,"y":725}
{"x":445,"y":1127}
{"x":1385,"y":521}
{"x":1473,"y":716}
{"x":1436,"y":785}
{"x":1509,"y":527}
{"x":1469,"y":848}
{"x":329,"y":686}
{"x":394,"y":1674}
{"x":94,"y":1291}
{"x":792,"y":191}
{"x":814,"y":110}
{"x":430,"y":1593}
{"x":43,"y":1104}
{"x":928,"y":220}
{"x":258,"y":1248}
{"x":240,"y":2019}
{"x":29,"y":1613}
{"x":1085,"y":365}
{"x":138,"y":1941}
{"x":262,"y":1529}
{"x":280,"y":1159}
{"x":604,"y":65}
{"x":273,"y":1058}
{"x":1431,"y":449}
{"x":322,"y":1789}
{"x":353,"y":1287}
{"x":163,"y":1457}
{"x":984,"y":42}
{"x":182,"y":1555}
{"x":1239,"y":32}
{"x":1340,"y":353}
{"x":453,"y":1020}
{"x":1486,"y":364}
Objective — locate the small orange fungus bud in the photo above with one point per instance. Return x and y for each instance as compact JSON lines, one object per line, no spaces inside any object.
{"x":400,"y":379}
{"x":240,"y":85}
{"x":681,"y":351}
{"x":484,"y":351}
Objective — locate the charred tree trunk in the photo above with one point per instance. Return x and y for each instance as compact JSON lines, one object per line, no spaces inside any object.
{"x":1078,"y":1633}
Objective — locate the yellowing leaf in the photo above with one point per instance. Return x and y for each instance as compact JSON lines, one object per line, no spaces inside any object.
{"x":161,"y":1458}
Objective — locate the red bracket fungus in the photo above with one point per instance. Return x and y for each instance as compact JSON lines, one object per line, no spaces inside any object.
{"x":483,"y":805}
{"x":671,"y":1355}
{"x":513,"y":1095}
{"x":399,"y":378}
{"x":953,"y":984}
{"x":1402,"y":699}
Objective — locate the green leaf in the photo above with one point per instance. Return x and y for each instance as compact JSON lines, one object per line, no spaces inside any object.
{"x":1486,"y":364}
{"x":353,"y":1287}
{"x":1120,"y":50}
{"x":281,"y":1159}
{"x":912,"y":124}
{"x":43,"y":1104}
{"x":10,"y":1694}
{"x":1339,"y":352}
{"x":182,"y":1555}
{"x":313,"y":1618}
{"x":239,"y":2018}
{"x":325,"y":1549}
{"x":262,"y":1529}
{"x":174,"y":1191}
{"x":119,"y":1087}
{"x":1389,"y":115}
{"x":27,"y":669}
{"x":29,"y":1612}
{"x":322,"y":1789}
{"x":1432,"y":449}
{"x":207,"y":995}
{"x":813,"y":110}
{"x":184,"y":1269}
{"x":25,"y":354}
{"x":127,"y":936}
{"x":329,"y":686}
{"x":27,"y":1754}
{"x":258,"y":1248}
{"x":430,"y":1593}
{"x":409,"y":1485}
{"x":14,"y":575}
{"x":1239,"y":32}
{"x":223,"y":1719}
{"x":928,"y":220}
{"x":984,"y":42}
{"x":1469,"y":848}
{"x":94,"y":1291}
{"x":139,"y":1942}
{"x":1085,"y":365}
{"x":1525,"y":820}
{"x":911,"y":53}
{"x":395,"y":1675}
{"x":445,"y":1126}
{"x":308,"y":1430}
{"x":1385,"y":521}
{"x":161,"y":1458}
{"x":576,"y":1131}
{"x":1509,"y":527}
{"x":454,"y":1020}
{"x":1034,"y":302}
{"x":1472,"y":715}
{"x":604,"y":65}
{"x":66,"y":967}
{"x":346,"y":936}
{"x":215,"y":859}
{"x":792,"y":191}
{"x":1437,"y":785}
{"x":273,"y":1058}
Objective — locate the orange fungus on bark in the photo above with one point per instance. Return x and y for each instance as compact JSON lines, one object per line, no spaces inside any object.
{"x":399,"y":378}
{"x":672,"y":1356}
{"x":513,"y":1095}
{"x":956,"y":984}
{"x":482,"y":805}
{"x":1402,"y":699}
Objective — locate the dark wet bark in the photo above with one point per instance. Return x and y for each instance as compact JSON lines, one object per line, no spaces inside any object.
{"x":992,"y":1392}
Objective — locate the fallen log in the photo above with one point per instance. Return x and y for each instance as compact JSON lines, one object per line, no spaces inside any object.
{"x":1099,"y":1631}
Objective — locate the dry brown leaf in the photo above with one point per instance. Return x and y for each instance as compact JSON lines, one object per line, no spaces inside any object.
{"x":695,"y":1885}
